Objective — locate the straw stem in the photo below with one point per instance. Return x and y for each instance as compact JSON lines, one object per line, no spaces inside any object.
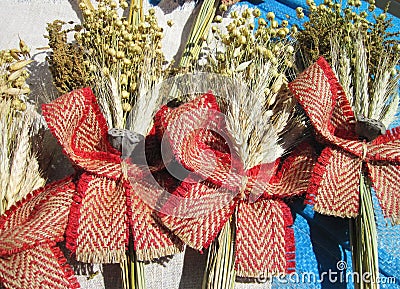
{"x":363,"y":236}
{"x":220,"y":271}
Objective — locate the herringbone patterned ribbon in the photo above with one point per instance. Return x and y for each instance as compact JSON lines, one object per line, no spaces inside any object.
{"x":29,"y":257}
{"x":334,"y":184}
{"x":264,"y":240}
{"x":105,"y":207}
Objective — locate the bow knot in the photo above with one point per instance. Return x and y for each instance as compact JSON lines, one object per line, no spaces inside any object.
{"x":255,"y":195}
{"x":335,"y":179}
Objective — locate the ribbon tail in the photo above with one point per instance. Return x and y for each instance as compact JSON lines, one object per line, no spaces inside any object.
{"x":41,"y":267}
{"x":151,"y":238}
{"x":264,"y":239}
{"x":334,"y":186}
{"x":98,"y":226}
{"x":386,"y":147}
{"x":386,"y":181}
{"x":40,"y":218}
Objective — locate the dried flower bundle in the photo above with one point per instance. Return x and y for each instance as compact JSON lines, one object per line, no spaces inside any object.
{"x":126,"y":60}
{"x":364,"y":56}
{"x":13,"y":75}
{"x":66,"y":60}
{"x":261,"y":114}
{"x":19,"y":168}
{"x":122,"y":60}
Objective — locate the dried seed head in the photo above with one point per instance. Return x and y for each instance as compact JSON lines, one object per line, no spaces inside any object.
{"x":22,"y":106}
{"x":126,"y":107}
{"x":14,"y":53}
{"x":246,"y":14}
{"x":19,"y":65}
{"x":270,"y":16}
{"x":274,"y":24}
{"x":382,"y":16}
{"x":290,"y":49}
{"x":123,"y":79}
{"x":23,"y":47}
{"x":310,"y":2}
{"x":125,"y":94}
{"x":281,"y":33}
{"x":242,"y":39}
{"x":262,"y":22}
{"x":218,"y":19}
{"x":234,"y":14}
{"x":111,"y":52}
{"x":87,"y":12}
{"x":14,"y":75}
{"x":223,"y":8}
{"x":120,"y":55}
{"x":105,"y":71}
{"x":256,"y":12}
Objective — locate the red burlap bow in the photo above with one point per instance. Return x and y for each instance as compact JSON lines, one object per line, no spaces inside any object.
{"x":334,"y":186}
{"x":96,"y":209}
{"x":264,"y":242}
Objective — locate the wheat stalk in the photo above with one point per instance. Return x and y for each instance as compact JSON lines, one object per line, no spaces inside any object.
{"x":148,"y":100}
{"x":199,"y":32}
{"x":363,"y":235}
{"x":220,"y":271}
{"x":19,"y":167}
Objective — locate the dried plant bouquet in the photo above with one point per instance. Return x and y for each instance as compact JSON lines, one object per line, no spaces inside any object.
{"x":365,"y":58}
{"x":19,"y":122}
{"x":253,"y":73}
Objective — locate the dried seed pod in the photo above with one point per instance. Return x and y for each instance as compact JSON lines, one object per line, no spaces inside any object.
{"x":125,"y":94}
{"x":15,"y":53}
{"x":126,"y":107}
{"x":13,"y":91}
{"x":25,"y":50}
{"x":14,"y":75}
{"x":19,"y":65}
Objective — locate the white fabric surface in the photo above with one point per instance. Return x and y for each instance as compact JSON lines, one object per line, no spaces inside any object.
{"x":27,"y":19}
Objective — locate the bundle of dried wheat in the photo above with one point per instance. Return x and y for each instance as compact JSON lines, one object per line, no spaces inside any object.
{"x":19,"y":168}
